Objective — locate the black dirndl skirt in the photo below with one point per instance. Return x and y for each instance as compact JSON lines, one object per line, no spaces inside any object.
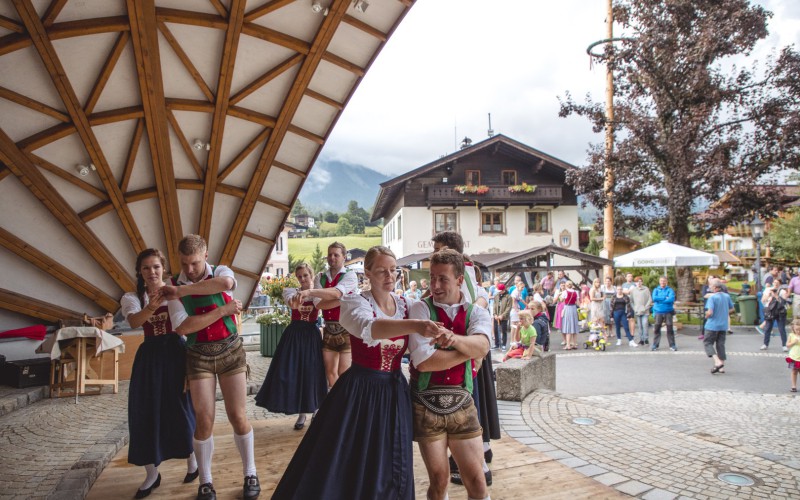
{"x":486,"y":400}
{"x":295,"y":381}
{"x":160,"y":415}
{"x":359,"y":446}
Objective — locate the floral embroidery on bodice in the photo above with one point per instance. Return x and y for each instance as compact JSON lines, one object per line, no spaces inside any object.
{"x":388,"y":354}
{"x":158,"y":323}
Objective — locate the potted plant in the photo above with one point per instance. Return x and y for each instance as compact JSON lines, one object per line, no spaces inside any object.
{"x":522,"y":188}
{"x":470,"y":189}
{"x":272,"y":326}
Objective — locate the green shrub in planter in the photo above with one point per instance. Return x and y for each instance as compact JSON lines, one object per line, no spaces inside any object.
{"x":272,"y":325}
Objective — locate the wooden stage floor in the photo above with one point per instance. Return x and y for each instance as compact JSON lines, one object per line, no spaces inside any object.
{"x":519,"y":472}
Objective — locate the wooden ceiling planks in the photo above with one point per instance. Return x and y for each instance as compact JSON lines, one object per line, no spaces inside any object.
{"x":142,"y":16}
{"x":34,"y":308}
{"x":56,"y":269}
{"x":49,"y":57}
{"x":224,"y":82}
{"x":105,"y":73}
{"x":321,"y":41}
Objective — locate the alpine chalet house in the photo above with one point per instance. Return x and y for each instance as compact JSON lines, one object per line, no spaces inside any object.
{"x":499,"y":194}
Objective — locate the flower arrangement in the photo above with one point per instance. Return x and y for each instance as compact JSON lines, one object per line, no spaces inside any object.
{"x":470,"y":189}
{"x":279,"y":317}
{"x":274,"y":287}
{"x":522,"y":188}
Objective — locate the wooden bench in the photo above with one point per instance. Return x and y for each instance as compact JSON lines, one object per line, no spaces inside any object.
{"x":516,"y":378}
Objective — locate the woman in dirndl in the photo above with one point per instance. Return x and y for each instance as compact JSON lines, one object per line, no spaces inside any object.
{"x":160,"y":416}
{"x":569,"y":323}
{"x":295,"y":382}
{"x":360,"y":444}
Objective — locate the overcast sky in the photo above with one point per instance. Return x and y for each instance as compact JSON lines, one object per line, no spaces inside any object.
{"x":451,"y":62}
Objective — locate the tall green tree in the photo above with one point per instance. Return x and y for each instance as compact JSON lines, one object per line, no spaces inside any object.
{"x":317,"y":260}
{"x":344,"y":227}
{"x":690,"y":126}
{"x":298,"y":208}
{"x":784,"y":235}
{"x":293,"y":263}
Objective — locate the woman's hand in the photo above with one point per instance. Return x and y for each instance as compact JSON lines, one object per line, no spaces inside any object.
{"x":431,"y":329}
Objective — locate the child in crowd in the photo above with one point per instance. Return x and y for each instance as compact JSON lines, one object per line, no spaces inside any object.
{"x":527,"y":335}
{"x":793,"y":359}
{"x":596,"y":327}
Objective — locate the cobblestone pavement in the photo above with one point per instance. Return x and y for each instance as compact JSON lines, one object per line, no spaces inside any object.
{"x":652,"y":442}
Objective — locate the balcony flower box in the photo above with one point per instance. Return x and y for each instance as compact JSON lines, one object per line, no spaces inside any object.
{"x":522,"y":188}
{"x":469,"y":189}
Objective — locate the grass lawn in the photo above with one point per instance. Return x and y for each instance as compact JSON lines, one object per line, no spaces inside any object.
{"x":302,"y":248}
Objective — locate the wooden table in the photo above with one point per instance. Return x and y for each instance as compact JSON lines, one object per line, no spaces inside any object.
{"x":70,"y":350}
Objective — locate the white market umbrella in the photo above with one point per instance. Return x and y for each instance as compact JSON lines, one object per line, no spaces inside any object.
{"x":666,"y":254}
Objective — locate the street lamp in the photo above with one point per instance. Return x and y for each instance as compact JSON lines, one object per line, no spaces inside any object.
{"x":757,"y":230}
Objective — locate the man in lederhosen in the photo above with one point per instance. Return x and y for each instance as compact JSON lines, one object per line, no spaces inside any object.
{"x":202,"y":308}
{"x":332,"y":285}
{"x":442,"y":376}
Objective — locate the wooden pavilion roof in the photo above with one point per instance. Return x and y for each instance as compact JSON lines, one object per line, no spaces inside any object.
{"x":189,"y":116}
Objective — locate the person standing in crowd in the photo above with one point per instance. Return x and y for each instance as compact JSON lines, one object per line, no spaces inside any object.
{"x":333,"y":284}
{"x":627,"y":286}
{"x":160,"y":417}
{"x":442,"y":379}
{"x":609,"y":290}
{"x":560,"y":278}
{"x":569,"y":323}
{"x":641,"y":301}
{"x":705,"y":292}
{"x":547,"y":284}
{"x":771,"y":276}
{"x":621,"y":310}
{"x":794,"y":290}
{"x":719,"y":306}
{"x":774,"y":301}
{"x":519,"y":285}
{"x":596,"y":311}
{"x":793,"y":358}
{"x":413,"y":293}
{"x":558,"y":298}
{"x":542,"y":324}
{"x":423,"y":286}
{"x":663,"y":308}
{"x":360,"y":446}
{"x":502,"y":311}
{"x":201,"y":306}
{"x":295,"y":382}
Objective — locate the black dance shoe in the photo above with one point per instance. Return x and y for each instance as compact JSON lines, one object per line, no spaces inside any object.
{"x":251,"y":488}
{"x":146,"y":492}
{"x":191,"y":476}
{"x":487,"y":455}
{"x":206,"y":492}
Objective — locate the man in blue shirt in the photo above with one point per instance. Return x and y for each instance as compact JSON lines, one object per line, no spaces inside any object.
{"x":718,"y":309}
{"x":663,"y":308}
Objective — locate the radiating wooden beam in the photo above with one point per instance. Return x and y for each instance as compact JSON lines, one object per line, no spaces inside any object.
{"x":366,"y":28}
{"x":57,"y":270}
{"x":33,"y":104}
{"x":243,"y":154}
{"x":84,"y":27}
{"x":220,"y":8}
{"x":177,"y":104}
{"x":276,"y":37}
{"x":4,"y":172}
{"x":143,"y":19}
{"x":252,"y":116}
{"x":344,"y":64}
{"x":187,"y":148}
{"x":324,"y":99}
{"x":191,"y":18}
{"x":306,"y":134}
{"x":105,"y":73}
{"x":14,"y":41}
{"x":61,"y":173}
{"x":318,"y":47}
{"x":243,"y":272}
{"x":258,"y":237}
{"x":238,"y":192}
{"x":187,"y":63}
{"x":34,"y":308}
{"x":130,"y":159}
{"x":226,"y":68}
{"x":265,"y":9}
{"x":37,"y":184}
{"x":56,"y":132}
{"x":291,"y":170}
{"x":270,"y":75}
{"x":52,"y":12}
{"x":11,"y":25}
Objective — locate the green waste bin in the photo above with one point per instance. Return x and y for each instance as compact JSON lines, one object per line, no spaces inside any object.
{"x":270,"y":336}
{"x":748,"y":309}
{"x":735,"y":298}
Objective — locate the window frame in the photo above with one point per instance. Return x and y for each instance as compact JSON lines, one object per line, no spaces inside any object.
{"x":549,"y":214}
{"x":502,"y":215}
{"x":503,"y":180}
{"x":445,"y":212}
{"x":467,"y":177}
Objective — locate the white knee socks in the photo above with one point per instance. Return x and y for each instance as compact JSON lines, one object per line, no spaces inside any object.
{"x":245,"y":445}
{"x":152,"y":475}
{"x":191,"y":463}
{"x":204,"y":450}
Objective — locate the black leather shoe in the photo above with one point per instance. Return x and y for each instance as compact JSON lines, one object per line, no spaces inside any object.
{"x":487,"y":455}
{"x":251,"y":488}
{"x":191,"y":476}
{"x":206,"y":492}
{"x":488,"y":475}
{"x":146,"y":492}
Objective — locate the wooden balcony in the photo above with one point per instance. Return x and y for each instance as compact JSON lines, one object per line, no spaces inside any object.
{"x":445,"y":194}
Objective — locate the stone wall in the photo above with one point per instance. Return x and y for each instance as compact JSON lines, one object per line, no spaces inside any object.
{"x":516,"y":378}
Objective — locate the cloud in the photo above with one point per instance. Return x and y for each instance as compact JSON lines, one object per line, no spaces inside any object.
{"x":318,"y":179}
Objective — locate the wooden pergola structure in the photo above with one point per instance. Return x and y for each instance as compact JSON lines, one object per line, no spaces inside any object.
{"x":540,"y":260}
{"x":125,"y":124}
